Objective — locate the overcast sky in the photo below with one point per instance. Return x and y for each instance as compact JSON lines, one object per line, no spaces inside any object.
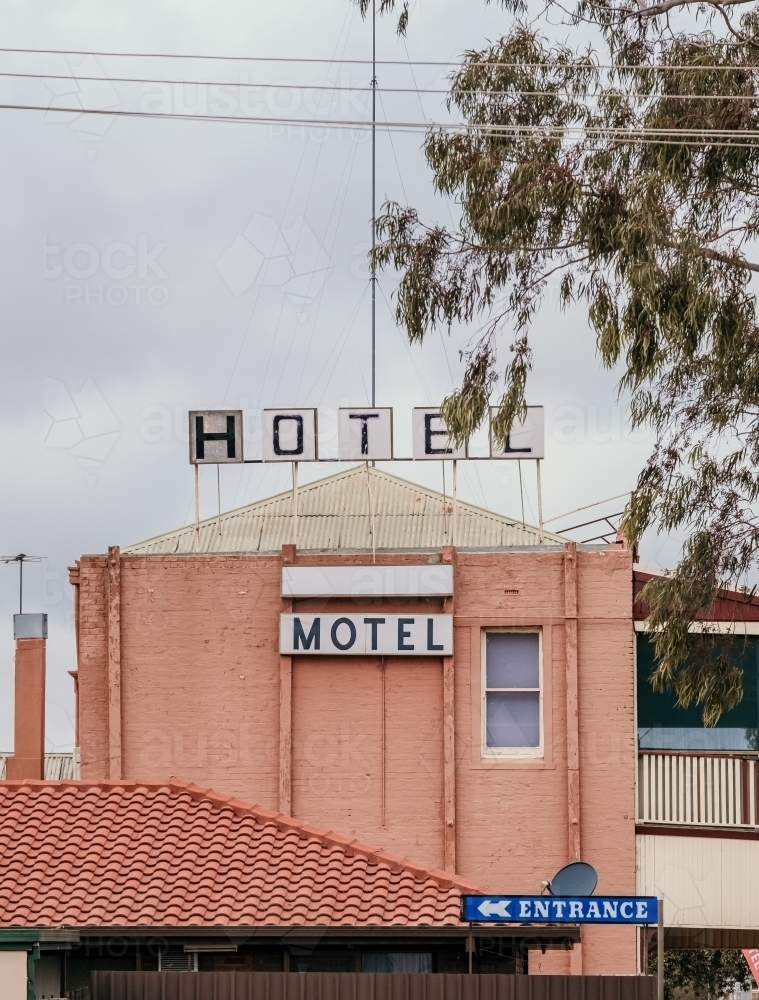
{"x":155,"y":266}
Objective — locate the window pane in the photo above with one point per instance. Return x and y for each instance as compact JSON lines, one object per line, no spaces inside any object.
{"x":513,"y":719}
{"x":512,"y":659}
{"x":396,"y":962}
{"x":322,"y":963}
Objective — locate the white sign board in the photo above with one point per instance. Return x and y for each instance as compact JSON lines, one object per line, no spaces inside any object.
{"x":527,"y":437}
{"x":374,"y":634}
{"x":367,"y":581}
{"x":365,"y":435}
{"x":215,"y":437}
{"x":290,"y":435}
{"x":430,"y":438}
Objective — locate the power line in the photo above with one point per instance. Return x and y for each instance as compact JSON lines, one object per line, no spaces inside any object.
{"x":339,"y":88}
{"x":643,"y":134}
{"x":626,"y":67}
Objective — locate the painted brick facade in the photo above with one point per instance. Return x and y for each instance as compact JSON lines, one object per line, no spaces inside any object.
{"x":357,"y":745}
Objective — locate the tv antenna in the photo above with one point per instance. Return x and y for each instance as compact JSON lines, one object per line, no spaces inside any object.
{"x":21,"y":558}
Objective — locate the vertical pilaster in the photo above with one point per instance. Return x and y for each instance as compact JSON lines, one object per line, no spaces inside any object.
{"x":573,"y":723}
{"x":449,"y":739}
{"x":573,"y":720}
{"x":286,"y":710}
{"x":113,"y":596}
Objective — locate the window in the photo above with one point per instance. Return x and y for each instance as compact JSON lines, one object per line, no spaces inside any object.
{"x":323,"y":962}
{"x":665,"y":725}
{"x":396,"y":962}
{"x":512,"y":703}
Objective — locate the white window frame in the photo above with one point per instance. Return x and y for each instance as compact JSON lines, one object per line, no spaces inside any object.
{"x":509,"y":752}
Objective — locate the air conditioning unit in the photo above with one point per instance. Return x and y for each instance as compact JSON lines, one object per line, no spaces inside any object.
{"x":176,"y":959}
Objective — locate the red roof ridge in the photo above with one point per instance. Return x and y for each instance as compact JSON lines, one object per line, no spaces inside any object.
{"x":307,"y":830}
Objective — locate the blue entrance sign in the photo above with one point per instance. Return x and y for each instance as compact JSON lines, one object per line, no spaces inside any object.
{"x":560,"y":909}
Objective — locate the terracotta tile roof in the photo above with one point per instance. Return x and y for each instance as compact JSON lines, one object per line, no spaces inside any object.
{"x":130,"y":853}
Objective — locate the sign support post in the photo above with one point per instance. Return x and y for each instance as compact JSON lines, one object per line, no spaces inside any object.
{"x":454,"y":534}
{"x":660,"y":951}
{"x":218,"y":496}
{"x":295,"y":504}
{"x":371,"y":512}
{"x":540,"y":507}
{"x":197,"y":510}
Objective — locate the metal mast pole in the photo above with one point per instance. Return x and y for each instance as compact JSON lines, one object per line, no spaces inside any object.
{"x":374,"y":200}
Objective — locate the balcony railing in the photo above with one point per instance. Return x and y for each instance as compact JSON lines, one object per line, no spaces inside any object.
{"x":696,"y":789}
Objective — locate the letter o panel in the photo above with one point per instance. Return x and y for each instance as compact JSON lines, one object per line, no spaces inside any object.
{"x":290,"y":435}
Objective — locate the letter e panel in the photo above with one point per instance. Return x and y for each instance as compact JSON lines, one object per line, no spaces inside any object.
{"x":430,"y":437}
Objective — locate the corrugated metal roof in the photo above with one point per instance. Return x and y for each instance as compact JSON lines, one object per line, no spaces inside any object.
{"x":335,"y":513}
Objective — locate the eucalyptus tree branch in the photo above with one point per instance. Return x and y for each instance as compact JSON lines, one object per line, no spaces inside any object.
{"x":722,"y":258}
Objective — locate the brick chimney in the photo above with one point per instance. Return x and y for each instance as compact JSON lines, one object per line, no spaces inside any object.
{"x":28,"y":760}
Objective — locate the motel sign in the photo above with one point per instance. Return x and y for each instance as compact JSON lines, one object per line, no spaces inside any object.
{"x":366,"y":635}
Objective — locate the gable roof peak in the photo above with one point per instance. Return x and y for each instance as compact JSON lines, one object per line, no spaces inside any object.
{"x":356,"y":509}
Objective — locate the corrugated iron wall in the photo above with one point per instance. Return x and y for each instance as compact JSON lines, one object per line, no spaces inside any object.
{"x":363,"y":986}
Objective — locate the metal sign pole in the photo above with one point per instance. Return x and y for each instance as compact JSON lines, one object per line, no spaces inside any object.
{"x":218,"y":495}
{"x":374,"y":201}
{"x":197,"y":511}
{"x":540,"y":503}
{"x":454,"y":533}
{"x":371,"y":514}
{"x":295,"y":504}
{"x":660,"y":951}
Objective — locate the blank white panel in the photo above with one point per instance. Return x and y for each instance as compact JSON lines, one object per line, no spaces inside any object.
{"x":367,"y":581}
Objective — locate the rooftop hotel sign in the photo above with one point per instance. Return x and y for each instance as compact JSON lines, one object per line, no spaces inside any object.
{"x":560,"y":909}
{"x":364,"y":434}
{"x":366,"y":635}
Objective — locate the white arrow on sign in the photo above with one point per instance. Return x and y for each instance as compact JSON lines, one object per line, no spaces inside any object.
{"x":491,"y":909}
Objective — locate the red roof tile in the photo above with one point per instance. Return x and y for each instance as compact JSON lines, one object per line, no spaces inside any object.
{"x":130,"y":853}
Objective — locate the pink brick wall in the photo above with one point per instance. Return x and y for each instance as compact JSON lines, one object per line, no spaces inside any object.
{"x":200,"y":699}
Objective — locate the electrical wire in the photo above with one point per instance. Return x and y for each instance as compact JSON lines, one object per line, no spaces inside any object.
{"x":339,"y":88}
{"x":631,"y":67}
{"x":642,"y":135}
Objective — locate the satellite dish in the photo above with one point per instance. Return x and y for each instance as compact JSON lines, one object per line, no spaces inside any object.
{"x":576,"y":879}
